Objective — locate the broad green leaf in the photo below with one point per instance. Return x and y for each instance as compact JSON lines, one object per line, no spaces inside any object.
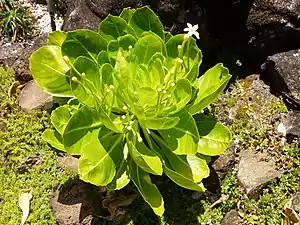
{"x":183,"y":138}
{"x":102,"y":58}
{"x":57,"y":38}
{"x":49,"y":70}
{"x":96,"y":164}
{"x":160,"y":123}
{"x":182,"y":181}
{"x":127,"y":13}
{"x":211,"y":85}
{"x":78,"y":132}
{"x":60,"y":118}
{"x":146,"y":47}
{"x":182,"y":94}
{"x":192,"y":167}
{"x":146,"y":96}
{"x":121,"y":178}
{"x":156,"y":73}
{"x":113,"y":27}
{"x":145,"y":158}
{"x":147,"y":189}
{"x":214,"y":137}
{"x":126,"y":41}
{"x":83,"y":43}
{"x":87,"y":90}
{"x":144,"y":19}
{"x":54,"y":139}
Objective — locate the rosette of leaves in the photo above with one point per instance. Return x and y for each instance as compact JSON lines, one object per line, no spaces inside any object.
{"x":135,"y":103}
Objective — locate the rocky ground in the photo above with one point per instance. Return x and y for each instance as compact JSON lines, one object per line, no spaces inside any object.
{"x":256,"y":181}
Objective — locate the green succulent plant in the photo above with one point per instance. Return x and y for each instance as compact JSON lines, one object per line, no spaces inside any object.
{"x":135,"y":103}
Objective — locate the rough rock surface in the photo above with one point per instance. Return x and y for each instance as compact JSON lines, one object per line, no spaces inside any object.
{"x":69,"y":162}
{"x":21,"y":66}
{"x":76,"y":204}
{"x":232,"y":218}
{"x":9,"y":53}
{"x":224,"y":162}
{"x":292,"y":123}
{"x":255,"y":169}
{"x":296,"y":202}
{"x":32,"y":97}
{"x":282,"y":71}
{"x":274,"y":26}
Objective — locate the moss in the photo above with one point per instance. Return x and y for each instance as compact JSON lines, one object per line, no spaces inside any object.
{"x":26,"y":160}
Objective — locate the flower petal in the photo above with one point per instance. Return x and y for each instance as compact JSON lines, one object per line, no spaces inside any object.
{"x":196,"y":27}
{"x":196,"y":35}
{"x":186,"y":29}
{"x":190,"y":34}
{"x":189,"y":25}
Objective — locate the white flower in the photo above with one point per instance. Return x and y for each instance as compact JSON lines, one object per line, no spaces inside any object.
{"x":192,"y":30}
{"x":281,"y":129}
{"x":111,"y":86}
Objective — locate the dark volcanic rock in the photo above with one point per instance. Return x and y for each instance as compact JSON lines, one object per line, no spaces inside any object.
{"x":255,"y":169}
{"x":224,"y":162}
{"x":79,"y":16}
{"x":9,"y":53}
{"x":282,"y":71}
{"x":21,"y":66}
{"x":232,"y":218}
{"x":292,"y":124}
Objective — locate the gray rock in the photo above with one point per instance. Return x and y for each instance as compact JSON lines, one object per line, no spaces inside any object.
{"x":32,"y":97}
{"x":232,"y":218}
{"x":292,"y":123}
{"x":282,"y":71}
{"x":255,"y":169}
{"x":9,"y":53}
{"x":296,"y":202}
{"x":21,"y":66}
{"x":224,"y":162}
{"x":69,"y":162}
{"x":273,"y":26}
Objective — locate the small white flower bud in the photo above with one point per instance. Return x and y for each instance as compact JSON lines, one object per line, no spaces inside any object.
{"x":179,"y":60}
{"x":107,"y":90}
{"x":75,"y":79}
{"x":179,"y":47}
{"x":83,"y":74}
{"x":123,"y":117}
{"x":164,"y":91}
{"x":129,"y":128}
{"x":140,"y":139}
{"x":111,"y":86}
{"x":172,"y":84}
{"x":169,"y":95}
{"x":135,"y":92}
{"x":130,"y":47}
{"x":131,"y":122}
{"x":159,"y":89}
{"x":125,"y":107}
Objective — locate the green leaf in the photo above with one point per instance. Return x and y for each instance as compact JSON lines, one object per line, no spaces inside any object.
{"x":144,"y":19}
{"x":83,"y":43}
{"x":145,"y":158}
{"x":146,"y":47}
{"x":127,"y":13}
{"x":168,"y":35}
{"x":60,"y":118}
{"x":121,"y":178}
{"x":182,"y":181}
{"x":211,"y":85}
{"x":103,"y":58}
{"x":54,"y":139}
{"x":78,"y":132}
{"x":214,"y":137}
{"x":113,"y":27}
{"x":126,"y":41}
{"x":183,"y":138}
{"x":49,"y":70}
{"x":57,"y":38}
{"x":147,"y":189}
{"x":156,"y":72}
{"x":159,"y":123}
{"x":87,"y":90}
{"x":182,"y":94}
{"x":96,"y":165}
